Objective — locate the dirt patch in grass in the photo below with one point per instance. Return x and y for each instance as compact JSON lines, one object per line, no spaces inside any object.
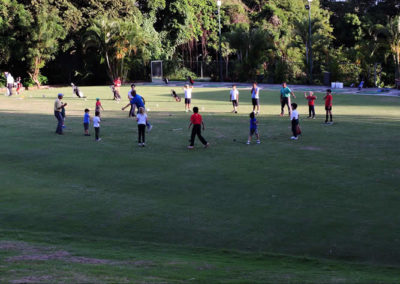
{"x":311,"y":148}
{"x":33,"y":279}
{"x":36,"y":253}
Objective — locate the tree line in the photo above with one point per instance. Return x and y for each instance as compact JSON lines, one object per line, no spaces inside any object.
{"x":96,"y":41}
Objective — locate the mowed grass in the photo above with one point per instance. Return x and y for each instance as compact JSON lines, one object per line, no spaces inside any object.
{"x":333,"y":194}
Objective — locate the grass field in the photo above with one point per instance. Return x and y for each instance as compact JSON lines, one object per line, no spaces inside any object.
{"x":324,"y":208}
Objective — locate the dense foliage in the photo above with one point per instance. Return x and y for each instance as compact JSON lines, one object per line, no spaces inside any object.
{"x":92,"y":42}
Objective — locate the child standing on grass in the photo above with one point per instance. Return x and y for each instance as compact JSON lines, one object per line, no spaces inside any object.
{"x":86,"y":122}
{"x":311,"y":102}
{"x":197,"y":121}
{"x":141,"y":119}
{"x":294,"y":117}
{"x":234,"y":97}
{"x":96,"y":125}
{"x":328,"y":106}
{"x":253,"y":128}
{"x":98,"y":106}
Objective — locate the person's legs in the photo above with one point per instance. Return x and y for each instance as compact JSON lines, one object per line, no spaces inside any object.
{"x":282,"y":106}
{"x":313,"y":111}
{"x":326,"y":116}
{"x":10,"y":87}
{"x":97,"y":133}
{"x":201,"y":137}
{"x":192,"y":137}
{"x":289,"y":105}
{"x":294,"y":127}
{"x":309,"y":111}
{"x":59,"y":118}
{"x":330,"y":114}
{"x":142,"y":128}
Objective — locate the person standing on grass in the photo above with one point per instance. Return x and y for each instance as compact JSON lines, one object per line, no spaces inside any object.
{"x":98,"y":106}
{"x":19,"y":85}
{"x":130,"y":97}
{"x":197,"y":121}
{"x":142,"y":121}
{"x":188,"y":96}
{"x":285,"y":98}
{"x":294,"y":117}
{"x":117,"y":85}
{"x":253,"y":129}
{"x":96,"y":125}
{"x":234,"y":97}
{"x":10,"y":83}
{"x":328,"y":106}
{"x":311,"y":102}
{"x":86,"y":122}
{"x":58,"y":106}
{"x":255,"y":97}
{"x":138,"y":101}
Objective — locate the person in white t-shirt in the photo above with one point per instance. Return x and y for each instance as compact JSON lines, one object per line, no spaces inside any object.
{"x":10,"y":83}
{"x":234,"y":97}
{"x":141,"y":119}
{"x":188,"y":96}
{"x":294,"y":117}
{"x":96,"y":125}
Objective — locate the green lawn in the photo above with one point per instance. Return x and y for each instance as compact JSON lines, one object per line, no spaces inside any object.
{"x":324,"y":208}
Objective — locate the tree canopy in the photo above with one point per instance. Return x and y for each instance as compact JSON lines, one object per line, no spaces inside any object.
{"x":95,"y":41}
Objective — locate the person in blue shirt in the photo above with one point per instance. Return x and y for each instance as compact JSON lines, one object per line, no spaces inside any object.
{"x":253,"y":129}
{"x":138,"y":102}
{"x":86,"y":122}
{"x":285,"y":98}
{"x":255,"y":97}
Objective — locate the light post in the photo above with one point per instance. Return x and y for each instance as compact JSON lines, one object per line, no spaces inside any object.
{"x":219,"y":2}
{"x":309,"y":50}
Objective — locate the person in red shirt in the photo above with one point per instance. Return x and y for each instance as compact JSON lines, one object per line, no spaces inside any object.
{"x":197,"y":121}
{"x":311,"y":100}
{"x":328,"y":106}
{"x":98,"y":106}
{"x":117,"y":85}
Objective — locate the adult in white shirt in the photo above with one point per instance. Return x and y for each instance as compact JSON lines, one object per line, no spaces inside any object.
{"x":10,"y":83}
{"x":234,"y":98}
{"x":188,"y":96}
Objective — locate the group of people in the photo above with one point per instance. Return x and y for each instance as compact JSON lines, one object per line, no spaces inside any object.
{"x":11,"y":83}
{"x":196,"y":122}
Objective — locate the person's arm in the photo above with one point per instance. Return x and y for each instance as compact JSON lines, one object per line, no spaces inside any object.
{"x":305,"y":95}
{"x":102,"y":107}
{"x":126,"y":106}
{"x":190,"y":125}
{"x":292,"y":93}
{"x":144,"y":101}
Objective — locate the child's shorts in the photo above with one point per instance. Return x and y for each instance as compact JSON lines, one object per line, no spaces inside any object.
{"x":234,"y":103}
{"x":253,"y":131}
{"x":188,"y":101}
{"x":328,"y":108}
{"x":255,"y":102}
{"x":86,"y":126}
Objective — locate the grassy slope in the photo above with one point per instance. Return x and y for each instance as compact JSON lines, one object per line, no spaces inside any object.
{"x":333,"y":194}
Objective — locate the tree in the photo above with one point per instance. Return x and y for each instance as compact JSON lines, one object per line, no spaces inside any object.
{"x":45,"y":34}
{"x":391,"y":36}
{"x":116,"y":40}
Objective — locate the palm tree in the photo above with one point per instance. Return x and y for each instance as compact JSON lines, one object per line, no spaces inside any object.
{"x":115,"y":40}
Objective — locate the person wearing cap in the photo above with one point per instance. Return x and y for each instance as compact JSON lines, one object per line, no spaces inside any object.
{"x":98,"y":105}
{"x":58,"y":106}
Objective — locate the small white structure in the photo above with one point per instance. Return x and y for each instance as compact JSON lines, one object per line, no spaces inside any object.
{"x":337,"y":85}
